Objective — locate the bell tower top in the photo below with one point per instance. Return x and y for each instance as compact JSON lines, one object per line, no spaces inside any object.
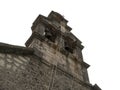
{"x":54,"y":19}
{"x":56,"y":16}
{"x":54,"y":28}
{"x":59,"y":21}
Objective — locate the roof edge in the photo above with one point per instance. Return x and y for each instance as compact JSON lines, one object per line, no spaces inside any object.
{"x":7,"y":48}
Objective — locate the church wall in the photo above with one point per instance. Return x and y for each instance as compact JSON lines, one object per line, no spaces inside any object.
{"x":20,"y":72}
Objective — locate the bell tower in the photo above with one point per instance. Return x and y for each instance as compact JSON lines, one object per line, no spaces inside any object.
{"x":53,"y":41}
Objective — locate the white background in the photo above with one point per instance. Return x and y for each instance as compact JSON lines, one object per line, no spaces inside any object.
{"x":95,"y":22}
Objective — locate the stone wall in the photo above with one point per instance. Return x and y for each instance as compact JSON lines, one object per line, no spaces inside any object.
{"x":18,"y":72}
{"x":51,"y":60}
{"x":53,"y":56}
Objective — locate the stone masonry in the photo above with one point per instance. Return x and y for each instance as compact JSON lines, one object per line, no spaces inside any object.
{"x":51,"y":60}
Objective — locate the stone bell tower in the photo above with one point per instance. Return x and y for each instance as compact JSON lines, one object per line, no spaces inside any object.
{"x":53,"y":42}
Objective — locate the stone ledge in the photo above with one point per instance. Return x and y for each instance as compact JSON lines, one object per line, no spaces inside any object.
{"x":96,"y":87}
{"x":7,"y":48}
{"x":85,"y":64}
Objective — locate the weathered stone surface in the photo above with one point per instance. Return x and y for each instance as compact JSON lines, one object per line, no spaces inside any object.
{"x":57,"y":58}
{"x":20,"y":75}
{"x":31,"y":75}
{"x":52,"y":59}
{"x":62,"y":81}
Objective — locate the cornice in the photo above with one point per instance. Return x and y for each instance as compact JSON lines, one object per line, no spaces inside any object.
{"x":7,"y":48}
